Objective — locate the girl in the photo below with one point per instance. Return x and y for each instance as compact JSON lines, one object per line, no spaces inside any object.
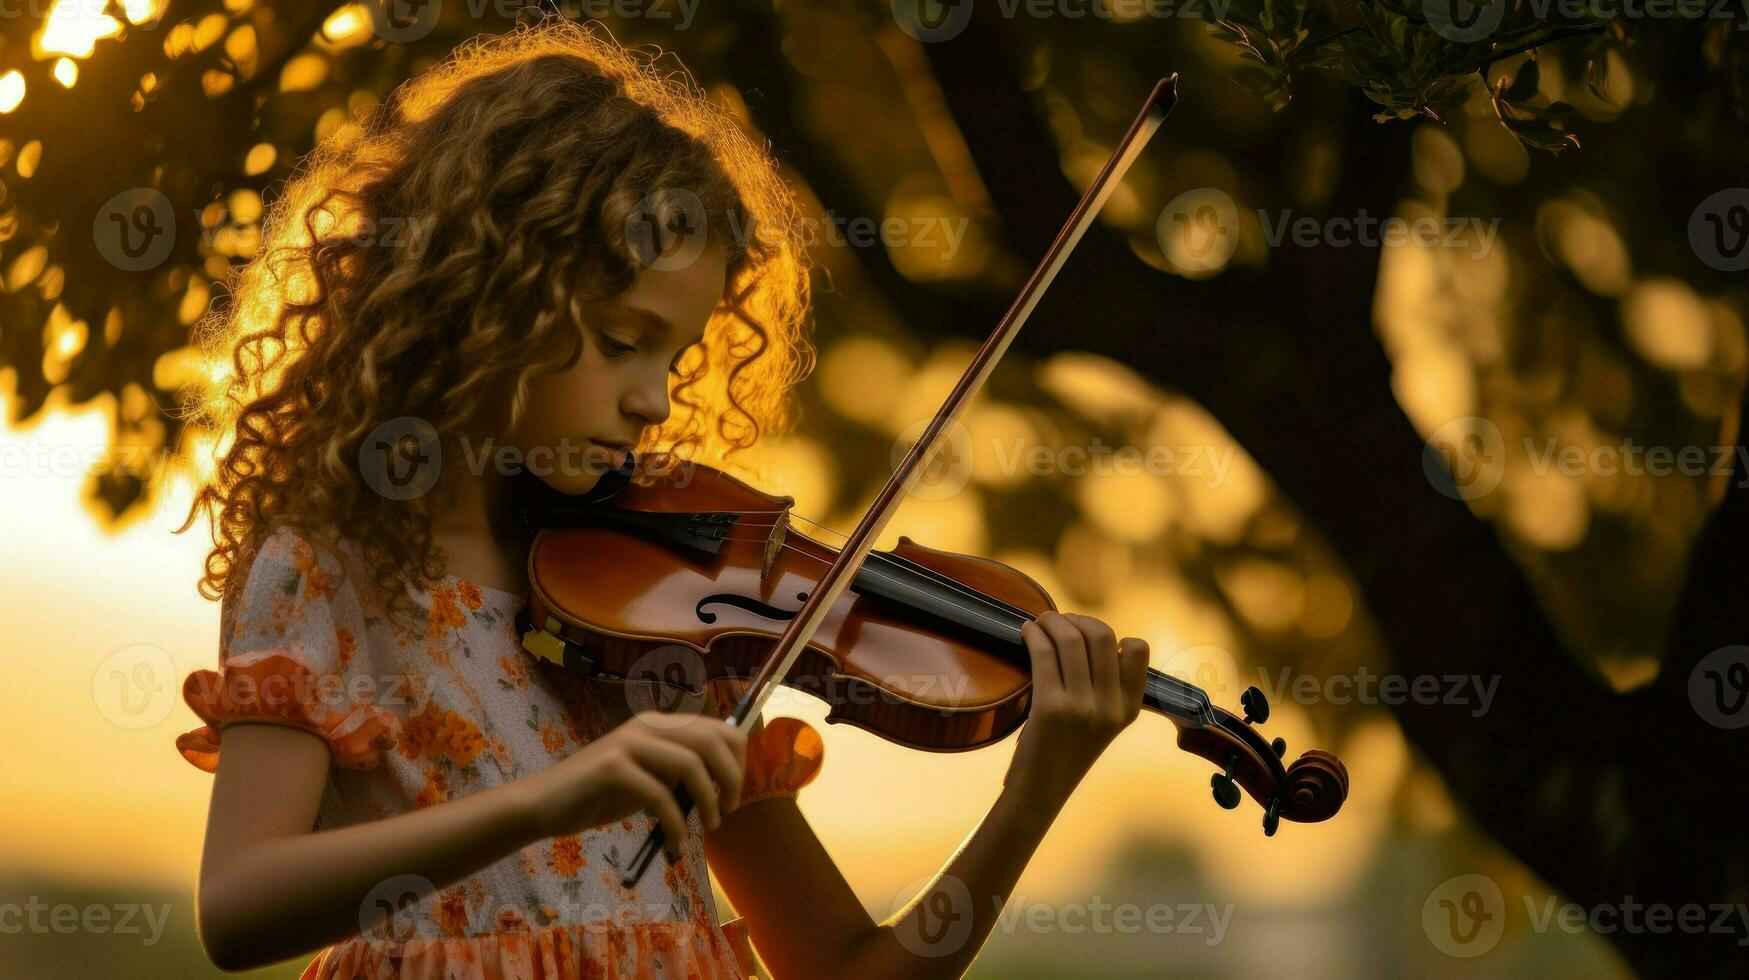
{"x":540,"y":247}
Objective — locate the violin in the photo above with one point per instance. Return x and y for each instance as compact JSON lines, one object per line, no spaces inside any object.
{"x":688,"y":579}
{"x":689,"y":576}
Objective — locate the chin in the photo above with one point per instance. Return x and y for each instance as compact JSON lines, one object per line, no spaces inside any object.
{"x":570,"y":483}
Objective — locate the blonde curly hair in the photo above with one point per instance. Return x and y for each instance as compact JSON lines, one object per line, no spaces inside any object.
{"x":525,"y":155}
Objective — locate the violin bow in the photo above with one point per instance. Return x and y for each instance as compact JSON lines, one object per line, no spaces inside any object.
{"x":857,"y":546}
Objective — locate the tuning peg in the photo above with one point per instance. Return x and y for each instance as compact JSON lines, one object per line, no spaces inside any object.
{"x":1280,"y":747}
{"x":1256,"y":706}
{"x":1226,"y":791}
{"x":1271,"y":817}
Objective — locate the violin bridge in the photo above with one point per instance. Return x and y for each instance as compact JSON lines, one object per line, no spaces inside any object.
{"x":774,"y":543}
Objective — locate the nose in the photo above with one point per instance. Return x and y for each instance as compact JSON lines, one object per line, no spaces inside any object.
{"x":647,"y":401}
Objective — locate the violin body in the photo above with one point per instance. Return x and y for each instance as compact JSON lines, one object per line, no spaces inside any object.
{"x":638,"y":606}
{"x":689,"y":577}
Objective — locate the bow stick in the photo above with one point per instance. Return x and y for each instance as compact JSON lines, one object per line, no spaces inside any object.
{"x":856,"y":548}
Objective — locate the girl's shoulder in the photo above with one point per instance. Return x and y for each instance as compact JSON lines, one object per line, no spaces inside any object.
{"x":313,"y":565}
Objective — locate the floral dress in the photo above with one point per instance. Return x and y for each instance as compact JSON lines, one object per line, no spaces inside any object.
{"x":415,"y":717}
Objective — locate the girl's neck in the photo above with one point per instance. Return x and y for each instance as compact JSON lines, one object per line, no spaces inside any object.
{"x":482,"y":535}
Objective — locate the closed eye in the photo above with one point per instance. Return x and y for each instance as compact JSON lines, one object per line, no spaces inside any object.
{"x":612,"y":347}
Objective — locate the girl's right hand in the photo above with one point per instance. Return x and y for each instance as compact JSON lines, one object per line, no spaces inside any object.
{"x":636,"y":767}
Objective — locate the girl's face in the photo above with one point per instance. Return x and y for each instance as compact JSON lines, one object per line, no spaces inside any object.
{"x":576,"y":418}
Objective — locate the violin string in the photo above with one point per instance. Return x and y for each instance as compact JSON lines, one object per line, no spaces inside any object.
{"x":1154,"y":684}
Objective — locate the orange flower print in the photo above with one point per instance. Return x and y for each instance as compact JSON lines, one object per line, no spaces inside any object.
{"x":515,"y":668}
{"x":451,"y":911}
{"x":346,"y":643}
{"x":566,"y":855}
{"x":510,"y":920}
{"x":548,"y":913}
{"x":440,"y":732}
{"x":446,"y":615}
{"x":552,"y":737}
{"x":470,"y":594}
{"x":317,"y":585}
{"x":436,"y":789}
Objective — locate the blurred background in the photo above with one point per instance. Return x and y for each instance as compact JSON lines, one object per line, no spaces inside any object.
{"x":1285,"y":452}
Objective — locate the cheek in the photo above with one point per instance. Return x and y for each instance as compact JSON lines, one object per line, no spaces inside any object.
{"x":574,"y":405}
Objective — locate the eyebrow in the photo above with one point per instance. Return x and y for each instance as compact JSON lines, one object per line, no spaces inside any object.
{"x":655,"y":320}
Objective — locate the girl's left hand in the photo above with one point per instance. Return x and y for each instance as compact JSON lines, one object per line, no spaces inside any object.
{"x":1086,"y":687}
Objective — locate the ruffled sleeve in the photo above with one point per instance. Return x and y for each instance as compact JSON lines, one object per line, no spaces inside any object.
{"x":289,"y":654}
{"x":783,"y":755}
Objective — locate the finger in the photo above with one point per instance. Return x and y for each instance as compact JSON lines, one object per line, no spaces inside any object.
{"x":1132,"y":656}
{"x":1071,"y":653}
{"x":1101,"y":659}
{"x":656,"y":796}
{"x":726,"y":755}
{"x":680,"y":765}
{"x":723,"y":747}
{"x":1047,"y":676}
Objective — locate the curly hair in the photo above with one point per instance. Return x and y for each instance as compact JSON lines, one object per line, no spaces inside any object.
{"x":527,"y":155}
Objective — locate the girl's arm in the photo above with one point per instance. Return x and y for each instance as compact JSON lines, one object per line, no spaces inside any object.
{"x":804,"y":918}
{"x":271,"y":889}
